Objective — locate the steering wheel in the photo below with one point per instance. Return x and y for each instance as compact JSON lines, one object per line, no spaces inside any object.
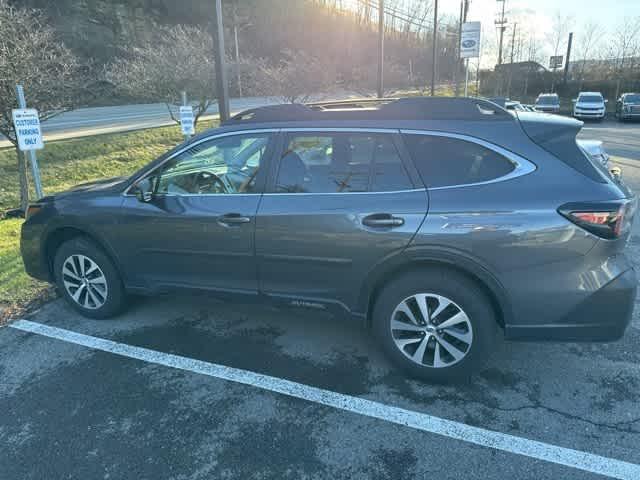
{"x":209,"y":182}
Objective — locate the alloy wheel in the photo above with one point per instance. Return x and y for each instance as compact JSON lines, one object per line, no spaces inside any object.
{"x":84,"y":281}
{"x":431,"y":330}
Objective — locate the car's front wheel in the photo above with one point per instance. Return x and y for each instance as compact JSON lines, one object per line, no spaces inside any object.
{"x":87,"y":279}
{"x":436,"y":324}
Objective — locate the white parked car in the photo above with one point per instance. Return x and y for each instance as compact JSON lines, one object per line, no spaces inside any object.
{"x":590,"y":105}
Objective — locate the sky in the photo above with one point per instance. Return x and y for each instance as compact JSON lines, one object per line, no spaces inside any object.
{"x":537,"y":15}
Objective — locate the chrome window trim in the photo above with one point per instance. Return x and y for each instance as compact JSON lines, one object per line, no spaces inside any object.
{"x":278,"y":194}
{"x":522,"y":166}
{"x":191,"y":145}
{"x":340,"y":129}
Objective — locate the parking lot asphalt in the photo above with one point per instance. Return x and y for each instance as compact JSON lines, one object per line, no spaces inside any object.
{"x":73,"y":407}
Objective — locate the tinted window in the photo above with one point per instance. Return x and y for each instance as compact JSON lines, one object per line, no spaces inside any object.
{"x":223,"y":165}
{"x":341,"y":162}
{"x":444,"y":161}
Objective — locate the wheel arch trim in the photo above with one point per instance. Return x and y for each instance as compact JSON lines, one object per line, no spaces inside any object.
{"x":67,"y":231}
{"x":436,"y":256}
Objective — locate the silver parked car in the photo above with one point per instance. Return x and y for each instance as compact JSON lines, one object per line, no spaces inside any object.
{"x":547,"y":103}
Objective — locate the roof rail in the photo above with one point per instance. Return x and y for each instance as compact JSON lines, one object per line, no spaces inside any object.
{"x":407,"y":108}
{"x":350,"y":103}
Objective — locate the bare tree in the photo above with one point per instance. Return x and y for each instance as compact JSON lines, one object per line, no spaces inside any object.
{"x":586,"y":46}
{"x":51,"y":75}
{"x":296,"y":78}
{"x":556,"y":38}
{"x":624,"y":48}
{"x":533,"y":53}
{"x":180,"y":59}
{"x":396,"y":77}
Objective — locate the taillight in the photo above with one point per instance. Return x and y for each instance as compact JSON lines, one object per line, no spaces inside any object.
{"x":605,"y":219}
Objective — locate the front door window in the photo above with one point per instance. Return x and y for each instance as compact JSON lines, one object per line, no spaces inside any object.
{"x":225,"y":165}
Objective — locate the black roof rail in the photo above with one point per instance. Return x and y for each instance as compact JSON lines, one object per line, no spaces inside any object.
{"x":407,"y":108}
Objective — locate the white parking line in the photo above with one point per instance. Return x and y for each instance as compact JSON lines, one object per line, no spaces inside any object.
{"x":420,"y":421}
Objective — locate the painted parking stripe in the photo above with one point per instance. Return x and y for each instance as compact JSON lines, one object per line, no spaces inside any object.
{"x":420,"y":421}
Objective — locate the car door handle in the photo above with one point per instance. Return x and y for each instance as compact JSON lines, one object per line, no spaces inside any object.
{"x":382,"y":220}
{"x":233,"y":219}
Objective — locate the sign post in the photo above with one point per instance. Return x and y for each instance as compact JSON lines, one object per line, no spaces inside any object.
{"x":469,"y":47}
{"x":186,"y":118}
{"x":29,"y":135}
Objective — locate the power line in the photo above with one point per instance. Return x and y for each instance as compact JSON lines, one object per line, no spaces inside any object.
{"x":395,"y":13}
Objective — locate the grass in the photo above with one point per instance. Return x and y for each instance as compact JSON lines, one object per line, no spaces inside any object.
{"x":65,"y":163}
{"x":16,"y":287}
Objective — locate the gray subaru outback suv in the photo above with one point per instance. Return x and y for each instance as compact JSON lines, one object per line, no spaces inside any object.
{"x":438,"y":223}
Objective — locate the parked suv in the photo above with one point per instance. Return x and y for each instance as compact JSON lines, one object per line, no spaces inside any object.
{"x":590,"y":105}
{"x":548,"y":103}
{"x":628,"y":107}
{"x":438,"y":223}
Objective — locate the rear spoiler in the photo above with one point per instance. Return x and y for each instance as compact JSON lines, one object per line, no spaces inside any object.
{"x":557,"y":135}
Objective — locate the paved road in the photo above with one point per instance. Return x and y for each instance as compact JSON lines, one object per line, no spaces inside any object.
{"x":79,"y":407}
{"x":620,"y":139}
{"x":93,"y":121}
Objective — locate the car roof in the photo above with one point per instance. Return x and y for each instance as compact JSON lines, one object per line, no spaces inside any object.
{"x":464,"y":116}
{"x":548,"y":95}
{"x":590,"y":93}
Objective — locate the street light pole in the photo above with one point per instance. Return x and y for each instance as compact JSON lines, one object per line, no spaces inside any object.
{"x":380,"y":48}
{"x":222,"y":89}
{"x":433,"y":52}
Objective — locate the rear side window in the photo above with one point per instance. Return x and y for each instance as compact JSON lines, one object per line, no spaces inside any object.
{"x":444,"y":161}
{"x":341,"y":163}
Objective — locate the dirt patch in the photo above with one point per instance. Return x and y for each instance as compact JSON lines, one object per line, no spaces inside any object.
{"x":13,"y":311}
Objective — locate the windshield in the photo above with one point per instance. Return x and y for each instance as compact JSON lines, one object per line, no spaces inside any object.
{"x":547,"y":101}
{"x":632,"y":98}
{"x":590,"y":99}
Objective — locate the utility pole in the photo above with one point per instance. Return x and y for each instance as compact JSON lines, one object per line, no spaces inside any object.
{"x":464,"y":9}
{"x":380,"y":48}
{"x":222,"y":88}
{"x":513,"y":46}
{"x":566,"y":63}
{"x":435,"y":40}
{"x":237,"y":49}
{"x":501,"y":23}
{"x":457,"y":51}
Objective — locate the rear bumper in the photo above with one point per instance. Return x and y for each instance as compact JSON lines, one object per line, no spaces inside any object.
{"x":601,"y":317}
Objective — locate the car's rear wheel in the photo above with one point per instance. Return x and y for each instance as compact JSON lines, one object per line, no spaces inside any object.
{"x":437,"y":325}
{"x":87,"y":279}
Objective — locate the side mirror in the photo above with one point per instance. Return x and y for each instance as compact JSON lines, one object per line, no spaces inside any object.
{"x":574,"y":100}
{"x":144,"y":190}
{"x":606,"y":101}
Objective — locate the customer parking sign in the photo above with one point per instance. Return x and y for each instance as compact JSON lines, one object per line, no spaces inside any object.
{"x":27,"y":125}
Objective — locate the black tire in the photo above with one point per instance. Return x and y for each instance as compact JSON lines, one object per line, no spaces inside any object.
{"x":115,"y":298}
{"x":465,"y":293}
